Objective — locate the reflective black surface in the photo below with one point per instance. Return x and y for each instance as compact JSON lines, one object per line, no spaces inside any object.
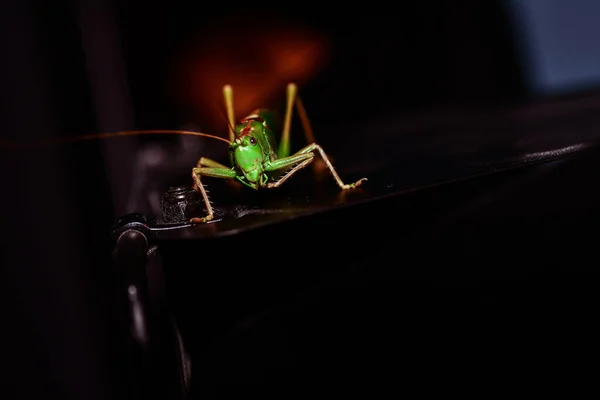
{"x":477,"y":267}
{"x":474,"y":280}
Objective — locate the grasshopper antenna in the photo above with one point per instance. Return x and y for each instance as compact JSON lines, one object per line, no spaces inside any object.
{"x":110,"y":135}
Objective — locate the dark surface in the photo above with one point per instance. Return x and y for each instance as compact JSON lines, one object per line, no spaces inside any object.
{"x":483,"y":281}
{"x":488,"y":279}
{"x":454,"y":263}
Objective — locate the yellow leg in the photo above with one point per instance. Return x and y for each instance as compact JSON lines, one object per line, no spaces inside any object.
{"x":284,"y":143}
{"x":208,"y":167}
{"x":228,"y":95}
{"x":209,"y":210}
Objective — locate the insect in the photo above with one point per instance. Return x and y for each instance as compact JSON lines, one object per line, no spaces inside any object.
{"x":256,"y":160}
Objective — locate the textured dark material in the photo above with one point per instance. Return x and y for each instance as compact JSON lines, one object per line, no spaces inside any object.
{"x":179,"y":204}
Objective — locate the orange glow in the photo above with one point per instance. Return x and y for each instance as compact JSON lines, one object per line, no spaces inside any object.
{"x":257,"y":61}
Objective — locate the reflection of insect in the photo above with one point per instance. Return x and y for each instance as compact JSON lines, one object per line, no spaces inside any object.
{"x":255,"y":160}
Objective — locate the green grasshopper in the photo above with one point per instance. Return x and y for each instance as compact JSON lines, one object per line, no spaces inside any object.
{"x":255,"y":159}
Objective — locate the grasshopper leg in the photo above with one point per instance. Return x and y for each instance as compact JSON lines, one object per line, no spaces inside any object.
{"x":215,"y":172}
{"x":207,"y":162}
{"x":311,"y":147}
{"x":291,"y":172}
{"x":284,"y":143}
{"x":301,"y":159}
{"x":308,"y":132}
{"x":319,"y":166}
{"x":228,"y":96}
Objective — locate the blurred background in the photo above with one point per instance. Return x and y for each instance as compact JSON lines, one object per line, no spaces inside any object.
{"x":369,"y":77}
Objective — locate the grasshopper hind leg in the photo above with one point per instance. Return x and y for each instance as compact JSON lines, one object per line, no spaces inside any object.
{"x":228,"y":97}
{"x":319,"y":166}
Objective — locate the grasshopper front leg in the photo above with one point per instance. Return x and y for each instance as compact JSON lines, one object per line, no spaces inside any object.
{"x":300,"y":160}
{"x":208,"y":167}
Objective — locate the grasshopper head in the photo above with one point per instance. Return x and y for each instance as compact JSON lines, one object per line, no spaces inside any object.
{"x":248,"y":148}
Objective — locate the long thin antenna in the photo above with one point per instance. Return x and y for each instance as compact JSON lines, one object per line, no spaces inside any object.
{"x":108,"y":135}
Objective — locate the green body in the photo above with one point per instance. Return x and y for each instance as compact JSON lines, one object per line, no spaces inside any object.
{"x":255,"y":159}
{"x":254,"y":156}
